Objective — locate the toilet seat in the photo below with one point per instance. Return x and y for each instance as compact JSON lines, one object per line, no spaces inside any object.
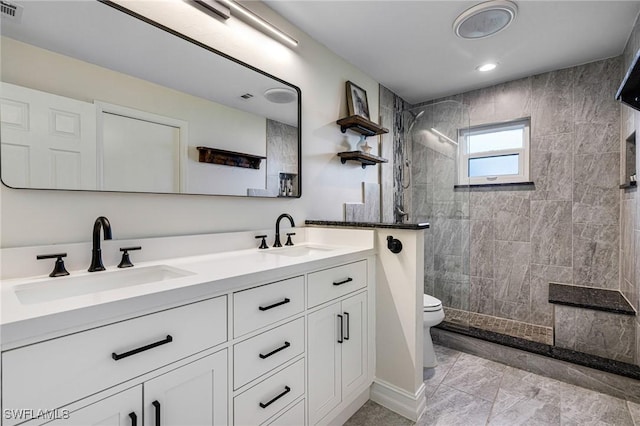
{"x":431,"y":304}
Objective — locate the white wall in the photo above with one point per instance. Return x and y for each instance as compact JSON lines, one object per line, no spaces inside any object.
{"x":30,"y":217}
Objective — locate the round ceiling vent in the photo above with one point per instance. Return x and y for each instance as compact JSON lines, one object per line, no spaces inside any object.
{"x":281,"y":95}
{"x":485,"y":19}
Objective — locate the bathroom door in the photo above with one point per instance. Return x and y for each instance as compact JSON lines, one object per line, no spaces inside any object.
{"x":140,"y":151}
{"x":48,"y":141}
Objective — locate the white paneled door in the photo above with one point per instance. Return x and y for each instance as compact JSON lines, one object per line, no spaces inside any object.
{"x":48,"y":141}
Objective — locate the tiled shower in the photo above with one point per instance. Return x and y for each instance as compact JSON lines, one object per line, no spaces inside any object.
{"x":494,"y":251}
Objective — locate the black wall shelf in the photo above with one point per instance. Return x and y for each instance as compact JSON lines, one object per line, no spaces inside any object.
{"x":361,"y":125}
{"x":362,"y":157}
{"x":228,"y":158}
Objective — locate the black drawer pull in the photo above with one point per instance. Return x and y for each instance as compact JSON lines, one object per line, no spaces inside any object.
{"x":275,"y":351}
{"x":287,"y":389}
{"x":134,"y":419}
{"x":156,"y":405}
{"x":275,"y":305}
{"x":116,"y":356}
{"x":341,"y":339}
{"x":346,"y":317}
{"x":348,"y":280}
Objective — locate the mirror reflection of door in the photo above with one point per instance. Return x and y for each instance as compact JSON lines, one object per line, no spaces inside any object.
{"x":139,"y":151}
{"x":48,"y":141}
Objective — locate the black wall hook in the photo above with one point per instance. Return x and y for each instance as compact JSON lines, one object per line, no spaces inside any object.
{"x":394,"y":244}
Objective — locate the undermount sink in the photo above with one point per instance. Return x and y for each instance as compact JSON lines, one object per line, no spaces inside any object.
{"x":70,"y":286}
{"x":296,"y":251}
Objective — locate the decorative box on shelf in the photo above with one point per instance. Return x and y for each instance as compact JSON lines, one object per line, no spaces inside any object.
{"x":229,"y":158}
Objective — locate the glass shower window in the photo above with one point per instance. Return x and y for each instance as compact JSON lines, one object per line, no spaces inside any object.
{"x":496,"y":141}
{"x":494,"y":166}
{"x":494,"y":153}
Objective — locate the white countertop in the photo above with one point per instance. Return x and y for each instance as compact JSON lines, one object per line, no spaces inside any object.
{"x":23,"y":322}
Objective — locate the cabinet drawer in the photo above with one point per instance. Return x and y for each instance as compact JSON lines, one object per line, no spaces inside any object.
{"x":294,"y":416}
{"x":264,"y":305}
{"x":56,"y":372}
{"x":263,"y":353}
{"x":335,"y":282}
{"x":270,"y":396}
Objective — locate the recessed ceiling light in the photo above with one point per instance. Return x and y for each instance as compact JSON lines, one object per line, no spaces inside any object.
{"x":487,"y":67}
{"x":281,"y":95}
{"x":485,"y":19}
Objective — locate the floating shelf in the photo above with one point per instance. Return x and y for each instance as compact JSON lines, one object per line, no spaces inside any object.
{"x":632,"y":184}
{"x":228,"y":158}
{"x":361,"y":125}
{"x":361,"y":157}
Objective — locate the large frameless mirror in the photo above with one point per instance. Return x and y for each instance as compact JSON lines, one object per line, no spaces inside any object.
{"x":94,"y":97}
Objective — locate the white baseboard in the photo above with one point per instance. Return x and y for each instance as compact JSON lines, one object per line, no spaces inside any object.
{"x":399,"y":400}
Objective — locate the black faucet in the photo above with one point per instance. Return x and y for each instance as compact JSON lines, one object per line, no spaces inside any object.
{"x":96,"y":252}
{"x":277,"y":243}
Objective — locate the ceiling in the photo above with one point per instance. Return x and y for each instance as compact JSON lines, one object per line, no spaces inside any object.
{"x":410,"y":46}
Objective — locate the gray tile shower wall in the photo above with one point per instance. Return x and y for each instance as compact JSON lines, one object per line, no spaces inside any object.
{"x":566,"y":229}
{"x":282,"y":153}
{"x":630,"y":201}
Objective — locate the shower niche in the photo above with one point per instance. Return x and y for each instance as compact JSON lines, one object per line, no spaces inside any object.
{"x":629,"y":162}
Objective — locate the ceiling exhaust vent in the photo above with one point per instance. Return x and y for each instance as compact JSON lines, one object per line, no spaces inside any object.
{"x":247,"y":96}
{"x":10,"y":11}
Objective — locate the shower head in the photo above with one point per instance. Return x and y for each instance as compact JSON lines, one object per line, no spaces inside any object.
{"x":414,"y":118}
{"x":414,"y":115}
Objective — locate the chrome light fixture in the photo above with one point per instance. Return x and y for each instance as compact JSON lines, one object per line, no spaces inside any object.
{"x":258,"y":22}
{"x":485,"y":19}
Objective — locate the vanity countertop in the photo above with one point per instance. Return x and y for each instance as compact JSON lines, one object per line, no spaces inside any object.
{"x":199,"y":276}
{"x":348,"y":224}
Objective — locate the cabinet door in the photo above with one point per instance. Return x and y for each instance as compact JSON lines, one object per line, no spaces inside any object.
{"x":324,"y":388}
{"x":195,"y":394}
{"x":121,"y":409}
{"x":354,"y":348}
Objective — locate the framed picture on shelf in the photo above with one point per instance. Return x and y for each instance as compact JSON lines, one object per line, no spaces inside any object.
{"x":357,"y":101}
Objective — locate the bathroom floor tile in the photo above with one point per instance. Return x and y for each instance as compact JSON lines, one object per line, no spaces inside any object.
{"x":475,"y":376}
{"x":468,"y":390}
{"x":581,"y":406}
{"x":433,"y":376}
{"x":526,"y":399}
{"x":372,"y":414}
{"x":451,"y":407}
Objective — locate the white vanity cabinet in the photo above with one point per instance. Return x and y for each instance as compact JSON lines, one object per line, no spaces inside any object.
{"x":191,"y":395}
{"x":337,"y":354}
{"x":289,"y":348}
{"x":338,"y":339}
{"x":120,"y":409}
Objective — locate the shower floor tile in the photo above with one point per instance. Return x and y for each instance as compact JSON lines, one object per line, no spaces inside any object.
{"x":523,"y":330}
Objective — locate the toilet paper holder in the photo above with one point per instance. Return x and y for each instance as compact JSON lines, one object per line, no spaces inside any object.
{"x":394,"y":244}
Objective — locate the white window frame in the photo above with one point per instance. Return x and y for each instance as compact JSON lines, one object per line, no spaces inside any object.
{"x":523,"y":159}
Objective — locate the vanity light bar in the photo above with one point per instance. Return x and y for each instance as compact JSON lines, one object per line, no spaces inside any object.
{"x":215,"y":7}
{"x":260,"y":23}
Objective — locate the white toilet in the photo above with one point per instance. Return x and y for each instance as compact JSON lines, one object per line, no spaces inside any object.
{"x":432,"y":316}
